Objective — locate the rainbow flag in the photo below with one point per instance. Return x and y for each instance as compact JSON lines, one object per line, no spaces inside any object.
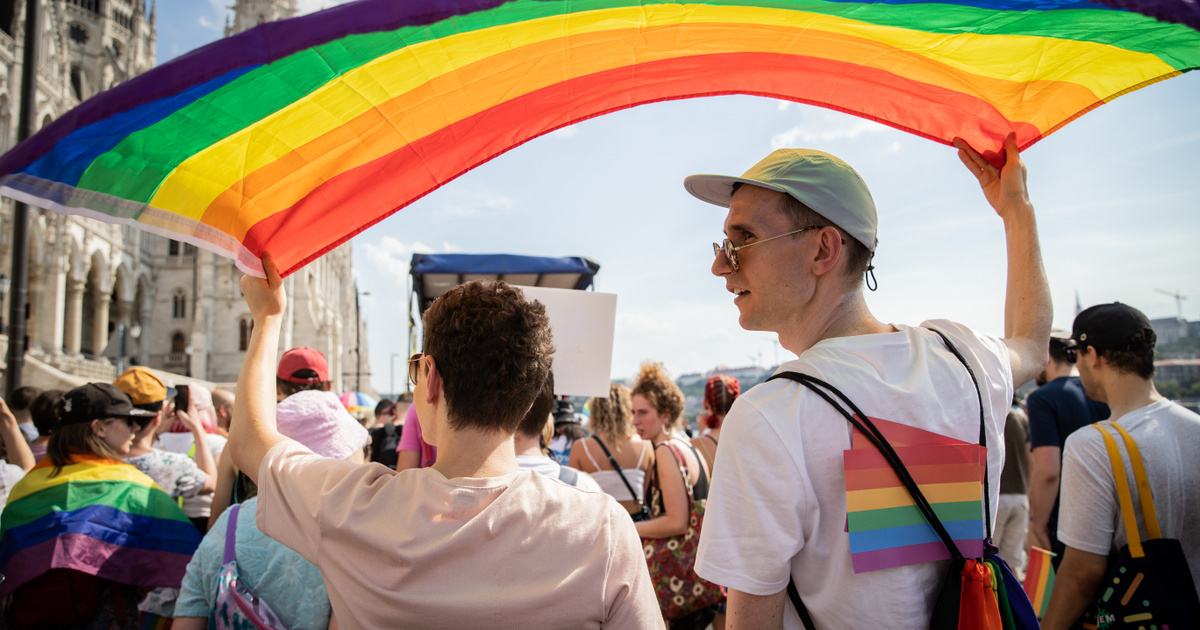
{"x":296,"y":135}
{"x":98,"y":516}
{"x":885,"y":526}
{"x":1039,"y":579}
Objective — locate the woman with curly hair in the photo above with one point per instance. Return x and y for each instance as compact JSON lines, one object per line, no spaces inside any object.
{"x":679,"y":479}
{"x":719,"y":393}
{"x":614,"y":441}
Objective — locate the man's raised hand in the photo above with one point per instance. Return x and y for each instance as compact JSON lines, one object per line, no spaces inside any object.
{"x":1004,"y":187}
{"x":265,"y":296}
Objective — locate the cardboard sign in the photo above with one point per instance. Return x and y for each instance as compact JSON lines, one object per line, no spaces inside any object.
{"x":584,"y":323}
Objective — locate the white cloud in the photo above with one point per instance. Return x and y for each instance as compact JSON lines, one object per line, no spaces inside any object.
{"x":207,"y":23}
{"x":783,"y":106}
{"x":828,"y":127}
{"x":393,"y":256}
{"x":474,"y":203}
{"x":565,"y":133}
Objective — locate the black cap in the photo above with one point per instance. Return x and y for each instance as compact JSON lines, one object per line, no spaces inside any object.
{"x":1113,"y":326}
{"x":96,"y":401}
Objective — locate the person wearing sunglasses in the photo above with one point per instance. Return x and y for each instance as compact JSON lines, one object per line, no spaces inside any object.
{"x":800,"y":240}
{"x":472,"y":541}
{"x":1056,"y":409}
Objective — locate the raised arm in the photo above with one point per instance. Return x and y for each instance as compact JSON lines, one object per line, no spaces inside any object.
{"x":1028,"y":310}
{"x":253,"y":430}
{"x":19,"y":453}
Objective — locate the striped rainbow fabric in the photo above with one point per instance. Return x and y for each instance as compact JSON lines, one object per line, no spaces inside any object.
{"x":886,"y":528}
{"x":97,"y":516}
{"x":296,"y":135}
{"x":1039,"y":579}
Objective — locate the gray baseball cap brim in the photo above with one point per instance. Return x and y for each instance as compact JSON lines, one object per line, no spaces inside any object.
{"x":824,"y":183}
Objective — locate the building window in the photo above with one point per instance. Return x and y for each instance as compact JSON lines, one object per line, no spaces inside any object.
{"x":77,"y":81}
{"x":178,"y":343}
{"x":78,"y":33}
{"x":245,"y":327}
{"x":179,"y":304}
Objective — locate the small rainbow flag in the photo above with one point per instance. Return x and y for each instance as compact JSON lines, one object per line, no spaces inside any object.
{"x":1039,"y":579}
{"x":886,"y":528}
{"x":98,"y":516}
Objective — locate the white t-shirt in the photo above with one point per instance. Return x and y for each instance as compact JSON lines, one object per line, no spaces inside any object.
{"x":777,"y":508}
{"x":1168,"y":437}
{"x":201,"y":505}
{"x":550,"y":468}
{"x":10,"y":474}
{"x":413,"y":549}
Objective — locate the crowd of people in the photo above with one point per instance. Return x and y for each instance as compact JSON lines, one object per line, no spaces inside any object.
{"x":483,"y":498}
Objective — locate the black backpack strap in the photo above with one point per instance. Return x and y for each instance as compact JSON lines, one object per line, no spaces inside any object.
{"x":620,"y":473}
{"x":987,"y":499}
{"x":875,"y":436}
{"x":567,"y":475}
{"x":798,"y":604}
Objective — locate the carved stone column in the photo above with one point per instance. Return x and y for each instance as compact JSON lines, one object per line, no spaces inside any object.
{"x":100,"y":300}
{"x":72,"y":331}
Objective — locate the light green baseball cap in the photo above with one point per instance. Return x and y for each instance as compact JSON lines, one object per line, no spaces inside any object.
{"x":818,"y":180}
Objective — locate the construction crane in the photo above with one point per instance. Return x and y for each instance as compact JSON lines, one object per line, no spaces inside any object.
{"x":1179,"y":298}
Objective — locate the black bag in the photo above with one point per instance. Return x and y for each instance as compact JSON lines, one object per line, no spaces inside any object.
{"x":1148,"y":582}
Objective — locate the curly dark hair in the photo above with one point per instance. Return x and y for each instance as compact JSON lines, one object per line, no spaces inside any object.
{"x":535,"y":420}
{"x":493,"y":349}
{"x":657,"y":388}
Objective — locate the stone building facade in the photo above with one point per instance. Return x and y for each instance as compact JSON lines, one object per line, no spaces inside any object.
{"x":97,"y":289}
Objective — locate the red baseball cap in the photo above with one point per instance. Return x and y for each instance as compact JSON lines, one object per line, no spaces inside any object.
{"x":303,"y":358}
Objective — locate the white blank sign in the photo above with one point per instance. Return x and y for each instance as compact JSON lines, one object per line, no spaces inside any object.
{"x":584,"y":323}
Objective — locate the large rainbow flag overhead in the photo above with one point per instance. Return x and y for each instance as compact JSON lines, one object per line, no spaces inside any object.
{"x":296,"y":135}
{"x":97,"y":516}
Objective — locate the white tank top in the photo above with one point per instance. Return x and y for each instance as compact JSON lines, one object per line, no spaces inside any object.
{"x":610,"y":480}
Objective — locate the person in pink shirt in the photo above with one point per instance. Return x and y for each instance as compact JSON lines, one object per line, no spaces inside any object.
{"x":413,"y":451}
{"x":437,"y":547}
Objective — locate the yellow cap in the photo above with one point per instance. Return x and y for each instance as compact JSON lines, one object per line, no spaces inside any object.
{"x":142,"y":386}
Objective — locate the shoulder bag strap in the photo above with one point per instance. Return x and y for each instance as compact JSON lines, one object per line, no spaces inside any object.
{"x":701,"y":487}
{"x":687,"y":481}
{"x":876,"y":437}
{"x":231,"y":533}
{"x":620,"y":473}
{"x":1143,"y":484}
{"x":987,"y":495}
{"x":1123,"y":496}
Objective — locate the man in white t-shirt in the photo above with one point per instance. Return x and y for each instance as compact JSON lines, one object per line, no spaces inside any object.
{"x":472,"y":541}
{"x":1115,"y":356}
{"x":801,"y":235}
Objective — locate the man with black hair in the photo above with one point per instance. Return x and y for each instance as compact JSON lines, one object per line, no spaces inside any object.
{"x":1115,"y":355}
{"x":1056,"y":409}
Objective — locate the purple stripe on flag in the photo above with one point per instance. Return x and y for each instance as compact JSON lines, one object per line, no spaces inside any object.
{"x":260,"y":45}
{"x":1180,"y":11}
{"x":911,"y":554}
{"x":95,"y":557}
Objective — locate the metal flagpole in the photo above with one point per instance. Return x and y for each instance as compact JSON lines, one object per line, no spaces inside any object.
{"x":20,"y":243}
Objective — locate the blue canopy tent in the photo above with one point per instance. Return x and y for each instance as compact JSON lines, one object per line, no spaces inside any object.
{"x":434,"y":274}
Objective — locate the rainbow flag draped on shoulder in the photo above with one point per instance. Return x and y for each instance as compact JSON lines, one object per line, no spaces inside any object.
{"x":98,"y":516}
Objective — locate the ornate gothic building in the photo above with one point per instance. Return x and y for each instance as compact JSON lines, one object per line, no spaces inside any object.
{"x":103,"y":296}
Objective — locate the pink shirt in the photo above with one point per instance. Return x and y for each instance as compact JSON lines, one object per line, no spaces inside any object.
{"x":415,"y":549}
{"x":411,"y":440}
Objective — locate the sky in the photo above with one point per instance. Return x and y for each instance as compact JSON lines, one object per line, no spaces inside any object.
{"x":1116,"y":195}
